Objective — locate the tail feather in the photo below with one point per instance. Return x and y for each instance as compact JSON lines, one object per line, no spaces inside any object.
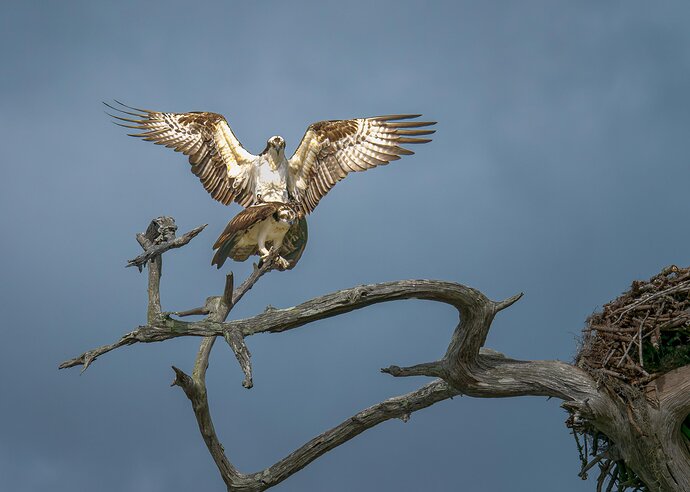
{"x":224,"y":244}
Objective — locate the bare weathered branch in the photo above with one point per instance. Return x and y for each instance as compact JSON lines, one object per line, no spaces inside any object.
{"x":506,"y":303}
{"x":638,"y":433}
{"x":218,"y":309}
{"x":278,"y":320}
{"x":199,"y":311}
{"x":158,"y":249}
{"x":498,"y":374}
{"x":236,"y":342}
{"x":399,"y":407}
{"x":88,"y":357}
{"x":433,"y":369}
{"x":160,"y":230}
{"x":197,"y":395}
{"x":195,"y":387}
{"x":158,"y":238}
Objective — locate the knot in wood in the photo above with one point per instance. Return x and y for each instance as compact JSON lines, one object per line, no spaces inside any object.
{"x":357,"y":293}
{"x":213,"y":304}
{"x":161,"y":229}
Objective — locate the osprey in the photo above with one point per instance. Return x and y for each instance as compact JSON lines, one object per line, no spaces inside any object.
{"x":328,"y":151}
{"x":251,"y":231}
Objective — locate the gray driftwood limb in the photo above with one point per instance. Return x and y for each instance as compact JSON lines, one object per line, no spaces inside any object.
{"x":647,"y":438}
{"x":157,"y":249}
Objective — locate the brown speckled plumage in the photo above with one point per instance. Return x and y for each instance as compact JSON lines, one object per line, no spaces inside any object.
{"x":328,"y":152}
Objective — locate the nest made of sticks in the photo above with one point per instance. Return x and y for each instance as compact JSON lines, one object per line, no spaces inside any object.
{"x":643,"y":333}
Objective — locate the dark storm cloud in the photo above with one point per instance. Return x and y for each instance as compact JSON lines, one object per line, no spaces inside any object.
{"x":559,"y":169}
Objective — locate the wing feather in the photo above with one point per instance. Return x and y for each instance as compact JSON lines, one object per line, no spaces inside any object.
{"x":294,"y":242}
{"x":217,"y":157}
{"x":236,"y":228}
{"x":330,"y":150}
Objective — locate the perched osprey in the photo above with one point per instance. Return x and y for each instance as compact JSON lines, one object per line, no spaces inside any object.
{"x":252,"y":231}
{"x":328,"y":151}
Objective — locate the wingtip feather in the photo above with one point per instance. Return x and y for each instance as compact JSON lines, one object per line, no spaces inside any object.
{"x":131,"y":107}
{"x":120,"y":110}
{"x":410,"y":124}
{"x":415,"y":132}
{"x":404,"y":151}
{"x":130,"y":120}
{"x":125,"y":126}
{"x":394,"y":117}
{"x":414,"y":140}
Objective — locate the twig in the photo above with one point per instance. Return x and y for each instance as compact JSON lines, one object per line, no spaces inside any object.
{"x":597,"y":459}
{"x":608,"y":357}
{"x":605,"y":467}
{"x":639,"y":335}
{"x":614,"y":477}
{"x":192,"y":312}
{"x":625,"y":354}
{"x":433,"y":369}
{"x":681,"y":287}
{"x":88,"y":357}
{"x":583,"y":458}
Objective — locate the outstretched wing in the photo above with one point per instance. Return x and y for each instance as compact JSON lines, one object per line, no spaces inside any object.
{"x":236,"y":228}
{"x":217,"y":157}
{"x":330,"y":150}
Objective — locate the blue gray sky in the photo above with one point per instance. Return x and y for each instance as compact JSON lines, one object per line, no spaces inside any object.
{"x":560,"y":168}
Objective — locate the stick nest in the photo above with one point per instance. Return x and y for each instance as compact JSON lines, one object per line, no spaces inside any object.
{"x":642,"y":334}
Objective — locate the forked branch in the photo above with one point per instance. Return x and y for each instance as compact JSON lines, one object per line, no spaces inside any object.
{"x":466,"y":367}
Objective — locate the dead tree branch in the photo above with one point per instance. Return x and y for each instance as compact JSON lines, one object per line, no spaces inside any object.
{"x":466,"y":368}
{"x":159,"y":249}
{"x":463,"y":366}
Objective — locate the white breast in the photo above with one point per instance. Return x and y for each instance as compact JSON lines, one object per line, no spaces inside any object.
{"x":267,"y":230}
{"x":271,"y":184}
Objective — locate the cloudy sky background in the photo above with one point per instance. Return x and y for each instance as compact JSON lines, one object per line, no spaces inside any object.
{"x":560,"y":168}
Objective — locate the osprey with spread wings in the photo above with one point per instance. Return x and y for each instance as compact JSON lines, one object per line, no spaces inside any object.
{"x":289,"y":188}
